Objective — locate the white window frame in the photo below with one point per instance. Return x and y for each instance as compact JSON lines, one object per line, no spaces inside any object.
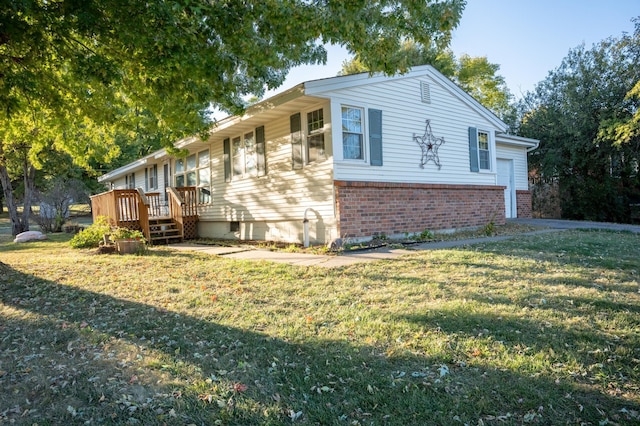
{"x":152,"y":177}
{"x":247,"y":155}
{"x":363,"y":133}
{"x":483,"y":150}
{"x":130,"y":181}
{"x":309,"y":134}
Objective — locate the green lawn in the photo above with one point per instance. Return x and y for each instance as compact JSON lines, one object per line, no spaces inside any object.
{"x":538,"y":330}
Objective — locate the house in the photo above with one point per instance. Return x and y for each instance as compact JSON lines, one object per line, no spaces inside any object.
{"x":350,"y":156}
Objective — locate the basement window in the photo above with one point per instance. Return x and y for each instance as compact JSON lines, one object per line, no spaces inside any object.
{"x":234,"y":226}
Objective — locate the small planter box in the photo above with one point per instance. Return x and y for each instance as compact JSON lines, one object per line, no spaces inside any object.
{"x":129,"y":246}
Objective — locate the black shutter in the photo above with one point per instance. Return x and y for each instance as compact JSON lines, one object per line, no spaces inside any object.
{"x":296,"y":141}
{"x":146,"y":180}
{"x":375,"y":137}
{"x":226,"y":145}
{"x":473,"y":149}
{"x":261,"y":151}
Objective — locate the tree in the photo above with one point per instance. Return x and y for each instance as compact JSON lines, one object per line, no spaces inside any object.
{"x":77,"y":75}
{"x":475,"y":75}
{"x":479,"y":77}
{"x":584,"y":113}
{"x":411,"y":54}
{"x":55,"y":202}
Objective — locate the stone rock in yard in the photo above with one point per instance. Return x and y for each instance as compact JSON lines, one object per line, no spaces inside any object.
{"x":24,"y":237}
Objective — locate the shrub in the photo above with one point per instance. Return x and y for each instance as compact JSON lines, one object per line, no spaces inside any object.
{"x":489,"y":229}
{"x":425,"y":235}
{"x":92,"y":235}
{"x":126,"y":234}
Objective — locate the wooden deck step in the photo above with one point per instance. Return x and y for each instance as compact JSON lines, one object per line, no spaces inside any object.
{"x":164,"y":231}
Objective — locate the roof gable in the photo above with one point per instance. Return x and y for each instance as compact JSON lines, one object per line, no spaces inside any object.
{"x":333,"y":84}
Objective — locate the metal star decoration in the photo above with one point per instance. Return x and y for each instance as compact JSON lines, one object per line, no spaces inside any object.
{"x":429,"y":145}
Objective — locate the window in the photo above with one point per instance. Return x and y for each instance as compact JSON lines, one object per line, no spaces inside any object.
{"x":352,"y":133}
{"x":238,"y":157}
{"x":151,"y":177}
{"x":479,"y":149}
{"x":483,"y":150}
{"x":194,"y":171}
{"x":244,"y":156}
{"x":307,"y":147}
{"x":315,"y":136}
{"x":130,"y":181}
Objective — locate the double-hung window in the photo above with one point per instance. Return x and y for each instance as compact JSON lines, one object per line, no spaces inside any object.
{"x":361,"y":134}
{"x":315,"y":136}
{"x":244,"y":155}
{"x":307,"y":146}
{"x":151,"y":177}
{"x":479,"y":150}
{"x":130,"y":181}
{"x":352,"y":133}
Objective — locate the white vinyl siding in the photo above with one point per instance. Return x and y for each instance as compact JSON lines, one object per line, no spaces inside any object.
{"x":404,"y":115}
{"x":282,"y":194}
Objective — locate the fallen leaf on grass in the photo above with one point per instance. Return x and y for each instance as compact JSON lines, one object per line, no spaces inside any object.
{"x":208,"y":398}
{"x":293,"y":415}
{"x":240,"y":387}
{"x":444,"y":370}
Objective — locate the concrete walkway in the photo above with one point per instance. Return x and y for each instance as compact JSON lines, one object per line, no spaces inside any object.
{"x":300,"y":259}
{"x":371,"y":255}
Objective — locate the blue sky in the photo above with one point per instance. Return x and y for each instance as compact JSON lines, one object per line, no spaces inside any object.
{"x":527,"y":38}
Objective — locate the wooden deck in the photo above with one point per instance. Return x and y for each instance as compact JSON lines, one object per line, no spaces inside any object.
{"x":133,"y":209}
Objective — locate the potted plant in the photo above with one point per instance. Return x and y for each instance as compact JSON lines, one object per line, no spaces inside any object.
{"x":128,"y":240}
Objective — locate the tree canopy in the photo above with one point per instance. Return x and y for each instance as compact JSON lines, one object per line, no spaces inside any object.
{"x":475,"y":75}
{"x":586,"y":115}
{"x":79,"y":75}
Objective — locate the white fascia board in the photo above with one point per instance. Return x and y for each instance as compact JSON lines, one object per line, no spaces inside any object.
{"x":185,"y":141}
{"x":121,"y":171}
{"x":265,"y":105}
{"x":506,"y":139}
{"x":468,"y":99}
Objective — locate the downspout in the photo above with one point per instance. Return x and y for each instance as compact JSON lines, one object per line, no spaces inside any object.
{"x":305,"y":223}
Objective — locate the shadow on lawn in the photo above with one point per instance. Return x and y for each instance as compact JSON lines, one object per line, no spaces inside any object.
{"x":77,"y":356}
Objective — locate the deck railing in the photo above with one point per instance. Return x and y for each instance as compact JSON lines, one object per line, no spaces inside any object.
{"x":183,"y":209}
{"x":132,"y":208}
{"x":127,"y":208}
{"x":156,"y":206}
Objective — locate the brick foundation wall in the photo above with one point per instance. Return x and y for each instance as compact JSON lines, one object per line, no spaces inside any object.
{"x":523,"y":203}
{"x":368,"y":208}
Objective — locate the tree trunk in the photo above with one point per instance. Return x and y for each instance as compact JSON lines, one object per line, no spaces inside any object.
{"x":16,"y":224}
{"x":29,"y":184}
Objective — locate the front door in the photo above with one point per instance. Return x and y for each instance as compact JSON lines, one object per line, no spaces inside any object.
{"x":505,"y":178}
{"x":167,"y":181}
